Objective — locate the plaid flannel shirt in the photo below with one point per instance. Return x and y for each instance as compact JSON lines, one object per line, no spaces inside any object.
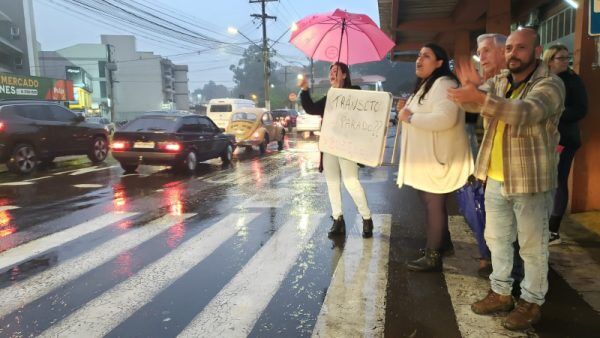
{"x":531,"y":133}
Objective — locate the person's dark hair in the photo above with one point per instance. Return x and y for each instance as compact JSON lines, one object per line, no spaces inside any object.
{"x":345,"y":70}
{"x":443,"y":70}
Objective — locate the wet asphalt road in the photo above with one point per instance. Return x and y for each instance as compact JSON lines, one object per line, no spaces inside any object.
{"x":237,"y":250}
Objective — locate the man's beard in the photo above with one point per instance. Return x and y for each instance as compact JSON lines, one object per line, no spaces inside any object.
{"x":522,"y":64}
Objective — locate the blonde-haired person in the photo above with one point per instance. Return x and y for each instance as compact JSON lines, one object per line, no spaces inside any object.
{"x":557,"y":59}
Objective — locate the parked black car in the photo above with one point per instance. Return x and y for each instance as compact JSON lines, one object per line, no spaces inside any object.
{"x":175,"y":138}
{"x":287,"y":117}
{"x":34,"y":131}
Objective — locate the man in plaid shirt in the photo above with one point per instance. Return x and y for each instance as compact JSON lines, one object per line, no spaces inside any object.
{"x":518,"y":159}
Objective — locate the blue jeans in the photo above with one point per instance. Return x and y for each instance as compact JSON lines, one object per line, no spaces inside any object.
{"x":522,"y":217}
{"x":472,"y":136}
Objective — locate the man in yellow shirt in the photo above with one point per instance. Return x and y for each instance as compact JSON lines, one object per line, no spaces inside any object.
{"x":518,"y":160}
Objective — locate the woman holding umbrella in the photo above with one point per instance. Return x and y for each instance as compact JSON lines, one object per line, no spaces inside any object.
{"x":336,"y":168}
{"x":435,"y":158}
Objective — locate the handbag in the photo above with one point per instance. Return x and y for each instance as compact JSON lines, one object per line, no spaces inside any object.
{"x":471,"y":198}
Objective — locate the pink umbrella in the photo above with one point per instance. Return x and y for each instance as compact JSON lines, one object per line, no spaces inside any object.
{"x":341,"y":36}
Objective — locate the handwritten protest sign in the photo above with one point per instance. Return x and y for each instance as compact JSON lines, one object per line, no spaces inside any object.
{"x":355,"y":125}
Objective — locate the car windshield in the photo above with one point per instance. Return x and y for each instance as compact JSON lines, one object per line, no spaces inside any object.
{"x":220,"y":108}
{"x":155,"y":124}
{"x":243,"y":117}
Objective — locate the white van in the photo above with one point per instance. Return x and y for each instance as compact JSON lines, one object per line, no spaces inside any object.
{"x":220,"y":110}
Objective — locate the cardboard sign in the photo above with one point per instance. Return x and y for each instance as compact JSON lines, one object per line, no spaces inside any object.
{"x":355,"y":125}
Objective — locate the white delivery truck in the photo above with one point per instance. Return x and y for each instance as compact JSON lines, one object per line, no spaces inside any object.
{"x":220,"y":110}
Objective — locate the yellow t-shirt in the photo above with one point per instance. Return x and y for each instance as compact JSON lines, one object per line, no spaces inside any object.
{"x":496,"y":169}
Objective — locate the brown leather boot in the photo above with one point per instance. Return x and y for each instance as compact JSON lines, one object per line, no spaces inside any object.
{"x":493,"y":303}
{"x":523,"y":316}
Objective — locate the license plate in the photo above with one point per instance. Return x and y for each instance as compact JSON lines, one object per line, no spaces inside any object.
{"x":144,"y":145}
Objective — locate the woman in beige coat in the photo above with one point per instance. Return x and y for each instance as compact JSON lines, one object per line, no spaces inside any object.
{"x":434,"y":158}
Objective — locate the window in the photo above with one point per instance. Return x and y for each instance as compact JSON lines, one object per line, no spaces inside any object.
{"x":101,"y":68}
{"x":220,"y":108}
{"x":34,"y":112}
{"x":207,"y":125}
{"x":243,"y":117}
{"x":154,"y":123}
{"x":266,"y":119}
{"x":61,"y":114}
{"x":190,"y":125}
{"x":18,"y":61}
{"x":15,"y":32}
{"x":103,"y":93}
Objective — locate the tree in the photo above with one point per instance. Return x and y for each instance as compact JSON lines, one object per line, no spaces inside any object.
{"x":248,"y":76}
{"x":213,"y":91}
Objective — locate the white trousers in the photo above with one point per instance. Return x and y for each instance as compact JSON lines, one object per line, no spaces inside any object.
{"x":337,"y":169}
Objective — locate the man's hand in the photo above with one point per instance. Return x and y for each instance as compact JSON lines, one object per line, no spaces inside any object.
{"x":466,"y":72}
{"x":468,"y":93}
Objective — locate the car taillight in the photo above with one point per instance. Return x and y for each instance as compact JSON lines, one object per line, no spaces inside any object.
{"x":119,"y":145}
{"x":170,"y":146}
{"x":2,"y":126}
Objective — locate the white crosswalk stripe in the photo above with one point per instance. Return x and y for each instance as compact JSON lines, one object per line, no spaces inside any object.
{"x":355,"y":301}
{"x":237,"y":307}
{"x":22,"y":293}
{"x":23,"y":252}
{"x":107,"y":311}
{"x":465,"y":287}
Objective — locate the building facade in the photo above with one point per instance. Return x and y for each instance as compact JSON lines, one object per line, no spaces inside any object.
{"x":78,"y":62}
{"x":144,"y":81}
{"x":18,"y":44}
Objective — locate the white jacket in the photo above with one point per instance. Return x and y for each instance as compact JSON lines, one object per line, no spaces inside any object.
{"x":434,"y":150}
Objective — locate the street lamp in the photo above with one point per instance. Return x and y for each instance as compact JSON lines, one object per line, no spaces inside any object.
{"x":233,"y":30}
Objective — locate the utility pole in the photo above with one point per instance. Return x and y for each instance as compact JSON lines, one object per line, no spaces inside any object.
{"x":264,"y":18}
{"x":110,"y":67}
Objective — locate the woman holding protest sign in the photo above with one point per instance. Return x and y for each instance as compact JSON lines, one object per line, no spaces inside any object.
{"x":435,"y":158}
{"x":336,"y":168}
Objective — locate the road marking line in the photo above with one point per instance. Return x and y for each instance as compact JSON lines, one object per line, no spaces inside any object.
{"x":355,"y":302}
{"x":38,"y":178}
{"x":89,"y":170}
{"x":11,"y":184}
{"x":466,"y":287}
{"x":236,"y":308}
{"x":88,"y":185}
{"x":8,"y":207}
{"x":27,"y":291}
{"x":28,"y":250}
{"x":104,"y":313}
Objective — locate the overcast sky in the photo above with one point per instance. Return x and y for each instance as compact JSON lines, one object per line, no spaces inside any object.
{"x":58,"y":27}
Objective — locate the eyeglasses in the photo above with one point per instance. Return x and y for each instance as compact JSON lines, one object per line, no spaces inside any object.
{"x":561,"y":58}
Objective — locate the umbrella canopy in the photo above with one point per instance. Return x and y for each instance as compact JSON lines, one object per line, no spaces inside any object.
{"x":341,"y":36}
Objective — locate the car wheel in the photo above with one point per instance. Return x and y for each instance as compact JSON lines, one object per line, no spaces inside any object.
{"x":190,"y":163}
{"x":23,"y":160}
{"x":227,"y":154}
{"x":263,"y":146}
{"x":99,"y":150}
{"x":129,"y":167}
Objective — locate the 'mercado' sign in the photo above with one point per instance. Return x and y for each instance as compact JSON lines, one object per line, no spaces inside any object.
{"x":355,"y":125}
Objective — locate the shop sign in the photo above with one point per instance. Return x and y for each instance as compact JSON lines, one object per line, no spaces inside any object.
{"x":14,"y":86}
{"x":594,"y":23}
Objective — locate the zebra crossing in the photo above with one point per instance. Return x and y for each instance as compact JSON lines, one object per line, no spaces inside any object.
{"x":232,"y":312}
{"x":353,"y":303}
